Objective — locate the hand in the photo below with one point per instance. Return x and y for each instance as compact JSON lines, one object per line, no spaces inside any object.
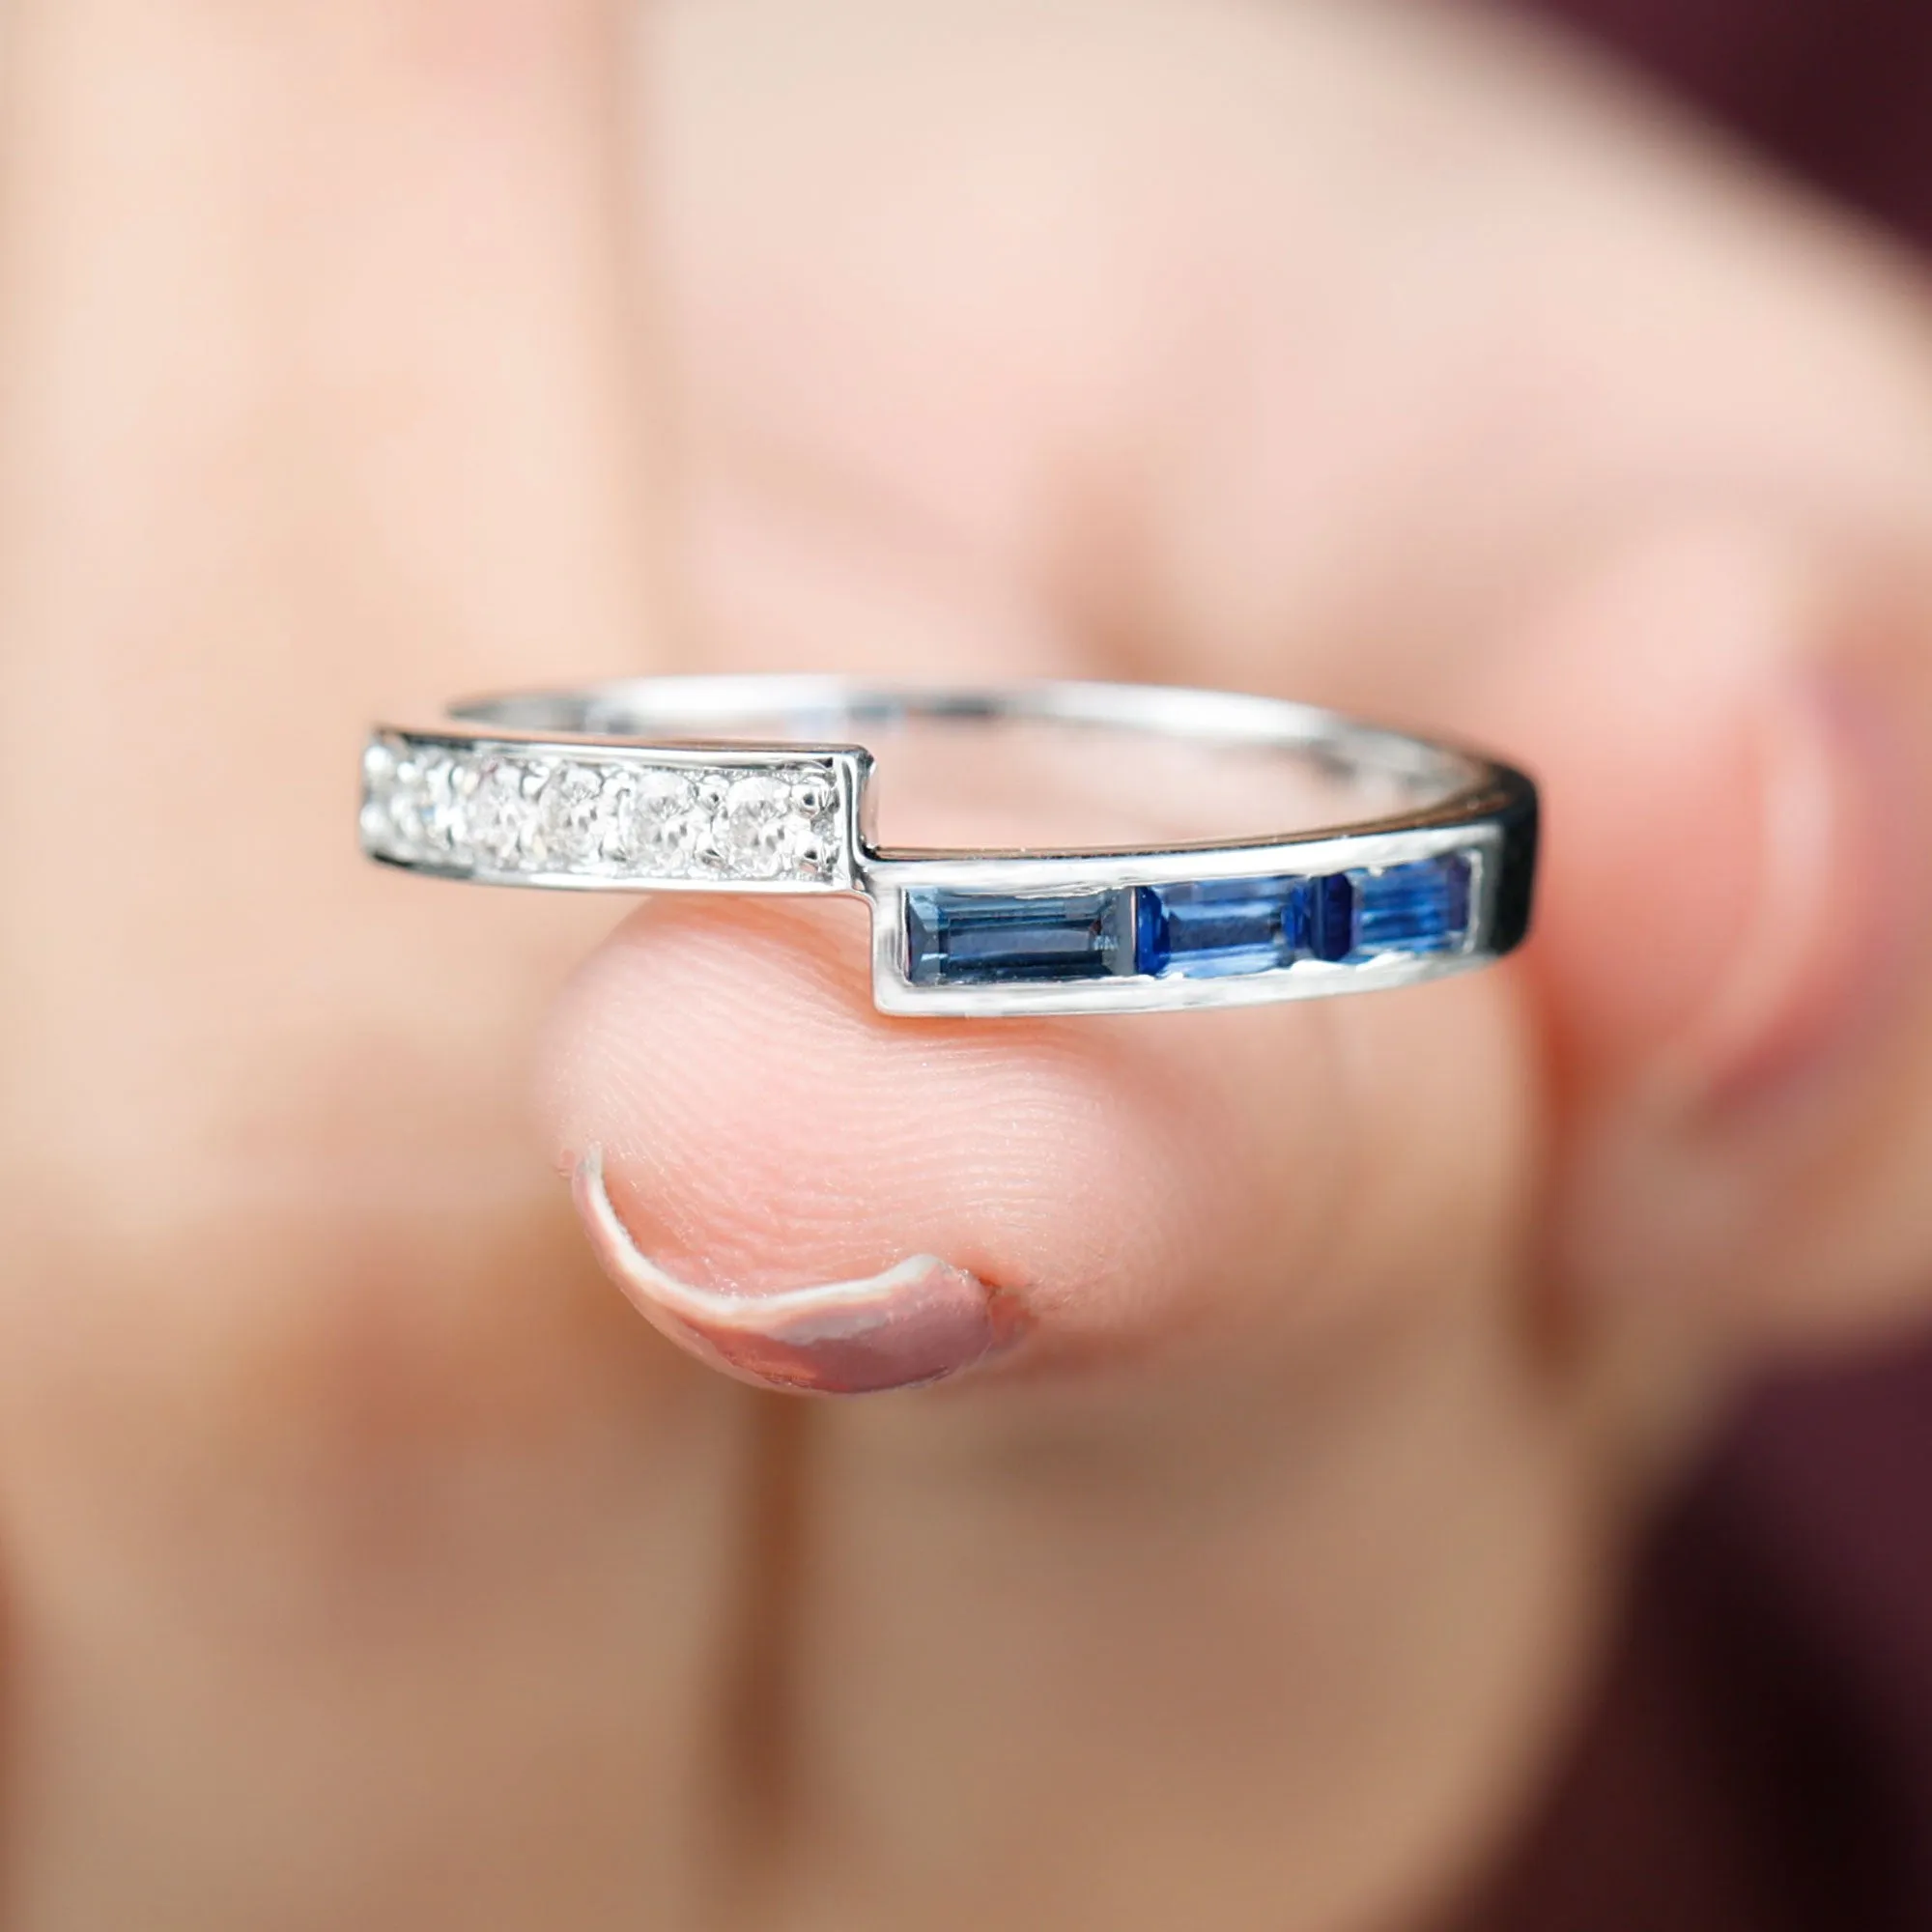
{"x":369,"y":1563}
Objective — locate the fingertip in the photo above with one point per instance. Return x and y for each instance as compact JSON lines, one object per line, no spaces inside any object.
{"x":811,"y":1193}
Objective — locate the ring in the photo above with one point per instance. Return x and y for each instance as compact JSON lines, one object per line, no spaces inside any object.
{"x":1413,"y":858}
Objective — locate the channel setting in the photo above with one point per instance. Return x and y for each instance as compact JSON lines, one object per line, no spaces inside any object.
{"x":1190,"y":929}
{"x":649,"y":787}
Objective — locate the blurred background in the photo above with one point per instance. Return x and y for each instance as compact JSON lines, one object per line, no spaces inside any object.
{"x":1757,"y":1756}
{"x":1762,"y":1755}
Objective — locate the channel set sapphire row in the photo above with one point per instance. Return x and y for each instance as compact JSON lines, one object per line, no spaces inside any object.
{"x":1191,"y":930}
{"x":759,"y":785}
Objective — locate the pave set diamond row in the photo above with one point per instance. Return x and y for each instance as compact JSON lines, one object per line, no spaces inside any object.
{"x":510,"y":812}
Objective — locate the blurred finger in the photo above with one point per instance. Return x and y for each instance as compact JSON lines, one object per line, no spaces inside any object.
{"x":347,"y":1521}
{"x":1256,"y":1347}
{"x":744,"y":1124}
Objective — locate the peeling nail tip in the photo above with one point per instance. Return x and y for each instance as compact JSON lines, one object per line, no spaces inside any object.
{"x":917,"y":1323}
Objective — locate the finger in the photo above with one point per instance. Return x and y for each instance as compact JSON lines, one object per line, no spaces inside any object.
{"x":1756,"y":1085}
{"x":1232,"y":1302}
{"x":744,"y":1123}
{"x":340,"y":1504}
{"x":1449,"y":468}
{"x":1276,"y":1402}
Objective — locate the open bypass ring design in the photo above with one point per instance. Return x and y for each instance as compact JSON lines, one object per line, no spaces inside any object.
{"x":763,"y":784}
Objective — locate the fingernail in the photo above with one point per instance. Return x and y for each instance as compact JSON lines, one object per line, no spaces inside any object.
{"x":917,"y":1323}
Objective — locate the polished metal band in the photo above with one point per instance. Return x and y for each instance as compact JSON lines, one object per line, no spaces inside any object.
{"x":763,"y":784}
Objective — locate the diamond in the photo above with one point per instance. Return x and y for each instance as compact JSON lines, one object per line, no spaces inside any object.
{"x":571,"y":819}
{"x":379,"y":763}
{"x":379,"y":781}
{"x":497,"y":816}
{"x":502,"y":808}
{"x":753,"y":828}
{"x":654,"y":828}
{"x":765,"y":824}
{"x":420,"y":800}
{"x":407,"y":799}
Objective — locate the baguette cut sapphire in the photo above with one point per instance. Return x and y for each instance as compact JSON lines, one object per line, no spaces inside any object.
{"x":1191,"y":930}
{"x":1206,"y":929}
{"x":992,"y":939}
{"x":1420,"y":907}
{"x":1326,"y":921}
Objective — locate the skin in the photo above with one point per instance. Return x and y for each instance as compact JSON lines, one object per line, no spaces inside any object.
{"x":366,"y":1560}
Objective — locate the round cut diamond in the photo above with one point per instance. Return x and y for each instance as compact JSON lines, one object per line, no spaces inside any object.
{"x":498,"y":816}
{"x":753,"y":826}
{"x":379,"y":787}
{"x":421,"y":801}
{"x":656,"y":828}
{"x":379,"y":764}
{"x":572,"y":820}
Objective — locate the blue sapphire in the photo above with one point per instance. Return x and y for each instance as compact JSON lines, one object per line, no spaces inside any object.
{"x":991,"y":939}
{"x":1421,"y":907}
{"x":1201,"y":930}
{"x":1325,"y":918}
